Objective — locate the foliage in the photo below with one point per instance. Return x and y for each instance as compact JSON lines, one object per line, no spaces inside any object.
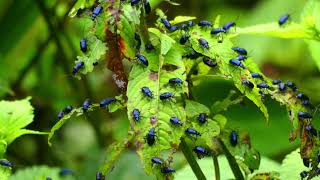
{"x":120,"y":35}
{"x":168,"y":60}
{"x":40,"y":172}
{"x":14,"y":117}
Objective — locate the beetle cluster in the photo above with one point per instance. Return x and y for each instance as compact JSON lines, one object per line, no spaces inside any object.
{"x":237,"y":62}
{"x":85,"y":106}
{"x":164,"y":168}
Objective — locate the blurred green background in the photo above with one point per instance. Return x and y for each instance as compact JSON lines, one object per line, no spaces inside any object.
{"x":39,"y":44}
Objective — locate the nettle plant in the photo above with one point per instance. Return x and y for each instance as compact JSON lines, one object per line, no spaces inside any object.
{"x":167,"y":60}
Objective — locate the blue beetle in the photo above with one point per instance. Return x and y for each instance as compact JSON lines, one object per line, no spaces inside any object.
{"x":145,"y":90}
{"x":176,"y":121}
{"x":166,"y":23}
{"x":276,"y":81}
{"x":96,"y":11}
{"x":236,"y":62}
{"x":174,"y":28}
{"x":291,"y":85}
{"x":193,"y":55}
{"x":156,"y":160}
{"x":303,"y":174}
{"x":77,"y":67}
{"x":184,"y":39}
{"x":65,"y":171}
{"x":241,"y":57}
{"x":147,"y":7}
{"x":204,"y":23}
{"x":60,"y":115}
{"x":233,"y":138}
{"x":83,"y":45}
{"x":138,"y":39}
{"x":202,"y":118}
{"x":107,"y":101}
{"x":207,"y":61}
{"x":191,"y":131}
{"x":312,"y":130}
{"x":190,"y":23}
{"x":100,"y":176}
{"x":302,"y":96}
{"x":262,"y":86}
{"x":203,"y":43}
{"x":306,"y":162}
{"x":283,"y":19}
{"x":67,"y":109}
{"x":136,"y":115}
{"x":86,"y":104}
{"x":7,"y":163}
{"x":175,"y":81}
{"x":304,"y":115}
{"x":142,"y":59}
{"x":150,"y":137}
{"x":184,"y":27}
{"x":306,"y":103}
{"x":248,"y":84}
{"x":166,"y":95}
{"x":201,"y":151}
{"x":167,"y":170}
{"x":256,"y":75}
{"x":149,"y":47}
{"x":228,"y":25}
{"x":48,"y":178}
{"x":134,"y":2}
{"x":240,"y":50}
{"x":282,"y":86}
{"x":217,"y":31}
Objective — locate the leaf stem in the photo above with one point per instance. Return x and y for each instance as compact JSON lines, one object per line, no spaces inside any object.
{"x":232,"y":162}
{"x":191,"y":160}
{"x":216,"y":167}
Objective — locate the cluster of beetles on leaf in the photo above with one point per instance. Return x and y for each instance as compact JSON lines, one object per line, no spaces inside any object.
{"x":202,"y":117}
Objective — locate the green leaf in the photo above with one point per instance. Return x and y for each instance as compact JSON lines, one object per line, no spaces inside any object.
{"x":5,"y":172}
{"x":95,"y":52}
{"x":225,"y":171}
{"x":114,"y":151}
{"x":127,"y":27}
{"x":194,"y":108}
{"x":166,"y":41}
{"x":223,"y":105}
{"x":80,"y":4}
{"x":266,"y":175}
{"x":153,"y":111}
{"x":39,"y":173}
{"x":210,"y":129}
{"x":181,"y":19}
{"x":310,"y":17}
{"x":79,"y":111}
{"x":221,"y":120}
{"x":14,"y":117}
{"x":314,"y":47}
{"x":292,"y":166}
{"x":290,"y":30}
{"x":222,"y":53}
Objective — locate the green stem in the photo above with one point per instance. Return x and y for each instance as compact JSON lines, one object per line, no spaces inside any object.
{"x":216,"y":167}
{"x":232,"y":162}
{"x":191,"y":160}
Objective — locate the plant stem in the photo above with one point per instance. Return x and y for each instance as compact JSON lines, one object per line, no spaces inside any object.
{"x":232,"y":162}
{"x":191,"y":160}
{"x":216,"y":167}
